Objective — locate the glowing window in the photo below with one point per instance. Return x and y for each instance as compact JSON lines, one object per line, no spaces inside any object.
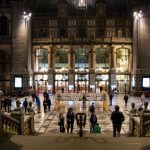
{"x":82,"y":3}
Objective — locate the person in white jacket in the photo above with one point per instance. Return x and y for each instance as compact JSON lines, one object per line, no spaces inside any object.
{"x":143,"y":98}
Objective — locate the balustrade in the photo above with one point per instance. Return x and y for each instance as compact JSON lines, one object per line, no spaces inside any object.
{"x":17,"y":125}
{"x":140,"y":124}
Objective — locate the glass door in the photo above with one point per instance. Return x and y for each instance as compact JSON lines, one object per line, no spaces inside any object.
{"x":81,"y":83}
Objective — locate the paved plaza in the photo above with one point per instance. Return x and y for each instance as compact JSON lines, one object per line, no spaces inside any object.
{"x":47,"y":122}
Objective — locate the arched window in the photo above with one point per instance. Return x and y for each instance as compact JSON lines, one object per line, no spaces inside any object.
{"x":102,"y":60}
{"x":82,"y":59}
{"x":42,"y":60}
{"x":61,"y":59}
{"x":122,"y":56}
{"x":4,"y":25}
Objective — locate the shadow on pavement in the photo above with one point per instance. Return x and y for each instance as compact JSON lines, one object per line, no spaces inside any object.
{"x":146,"y":147}
{"x":6,"y":143}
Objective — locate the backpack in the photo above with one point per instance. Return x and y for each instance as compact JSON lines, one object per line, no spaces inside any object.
{"x":92,"y":108}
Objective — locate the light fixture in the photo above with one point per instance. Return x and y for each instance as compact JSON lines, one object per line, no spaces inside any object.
{"x":27,"y":16}
{"x":137,"y":14}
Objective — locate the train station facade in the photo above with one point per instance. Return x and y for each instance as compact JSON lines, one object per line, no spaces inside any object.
{"x":78,"y":45}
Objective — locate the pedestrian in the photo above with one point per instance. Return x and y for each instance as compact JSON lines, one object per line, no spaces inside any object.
{"x":18,"y":103}
{"x":110,"y":96}
{"x":25,"y":104}
{"x":70,"y":120}
{"x":38,"y":104}
{"x":104,"y":99}
{"x":84,"y":101}
{"x":9,"y":104}
{"x":143,"y":98}
{"x":49,"y":103}
{"x":45,"y":104}
{"x":45,"y":94}
{"x":93,"y":122}
{"x":5,"y":103}
{"x":117,"y":118}
{"x":61,"y":123}
{"x":126,"y":100}
{"x":92,"y":108}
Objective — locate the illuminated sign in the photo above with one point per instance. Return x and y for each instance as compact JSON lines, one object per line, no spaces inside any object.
{"x":18,"y":82}
{"x":146,"y":82}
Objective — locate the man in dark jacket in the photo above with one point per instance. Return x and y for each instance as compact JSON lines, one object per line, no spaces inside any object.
{"x":25,"y":104}
{"x":117,"y":118}
{"x":70,"y":120}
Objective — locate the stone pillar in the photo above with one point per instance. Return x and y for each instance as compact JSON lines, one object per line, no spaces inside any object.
{"x":130,"y":63}
{"x":51,"y":75}
{"x":112,"y":78}
{"x":21,"y":46}
{"x":92,"y":59}
{"x":50,"y":58}
{"x":71,"y":61}
{"x":92,"y":62}
{"x":19,"y":115}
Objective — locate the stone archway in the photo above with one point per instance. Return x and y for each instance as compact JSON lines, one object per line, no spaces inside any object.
{"x":5,"y":68}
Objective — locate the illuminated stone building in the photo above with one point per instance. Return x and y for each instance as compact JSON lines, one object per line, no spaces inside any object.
{"x":77,"y":44}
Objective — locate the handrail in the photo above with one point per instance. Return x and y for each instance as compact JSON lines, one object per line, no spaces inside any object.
{"x":10,"y":118}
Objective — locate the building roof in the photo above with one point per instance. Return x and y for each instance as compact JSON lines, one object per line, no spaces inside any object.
{"x":50,"y":6}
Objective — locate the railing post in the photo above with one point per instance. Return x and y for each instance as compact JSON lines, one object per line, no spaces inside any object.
{"x":131,"y":128}
{"x":19,"y":115}
{"x":32,"y":122}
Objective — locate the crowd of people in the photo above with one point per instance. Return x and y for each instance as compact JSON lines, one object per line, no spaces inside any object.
{"x":116,"y":117}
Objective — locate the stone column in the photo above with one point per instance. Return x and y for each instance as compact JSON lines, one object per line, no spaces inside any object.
{"x":21,"y":46}
{"x":51,"y":75}
{"x":71,"y":61}
{"x":92,"y":62}
{"x":92,"y":59}
{"x":50,"y":58}
{"x":112,"y":78}
{"x":130,"y":63}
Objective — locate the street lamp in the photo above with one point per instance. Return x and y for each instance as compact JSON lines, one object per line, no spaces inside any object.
{"x":137,"y":15}
{"x":27,"y":17}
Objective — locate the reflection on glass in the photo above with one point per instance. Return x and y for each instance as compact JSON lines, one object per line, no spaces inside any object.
{"x":61,"y":60}
{"x":41,"y":60}
{"x":122,"y":60}
{"x":81,"y":60}
{"x":102,"y":60}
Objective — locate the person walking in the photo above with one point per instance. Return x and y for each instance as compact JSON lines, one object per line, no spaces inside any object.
{"x":84,"y":101}
{"x":93,"y":122}
{"x":25,"y":104}
{"x":110,"y":97}
{"x":117,"y":118}
{"x":126,"y":100}
{"x":38,"y":103}
{"x":49,"y":103}
{"x":143,"y":98}
{"x":70,"y":120}
{"x":61,"y":123}
{"x":92,"y":108}
{"x":45,"y":104}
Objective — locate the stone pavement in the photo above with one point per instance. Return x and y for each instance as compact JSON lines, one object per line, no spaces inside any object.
{"x":47,"y":122}
{"x":72,"y":142}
